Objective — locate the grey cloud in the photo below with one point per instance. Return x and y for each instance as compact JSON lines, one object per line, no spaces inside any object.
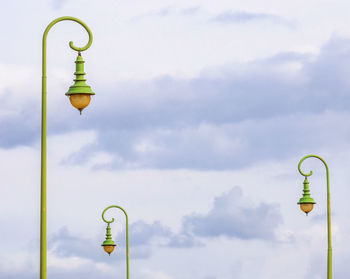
{"x":184,"y":240}
{"x":156,"y":233}
{"x":65,"y":244}
{"x":230,"y":218}
{"x":142,"y":237}
{"x":230,"y":17}
{"x":227,"y":118}
{"x":22,"y":125}
{"x":144,"y":233}
{"x":264,"y":109}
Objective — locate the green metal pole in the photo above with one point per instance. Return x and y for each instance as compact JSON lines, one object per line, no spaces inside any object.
{"x":126,"y":230}
{"x":43,"y":211}
{"x":329,"y":256}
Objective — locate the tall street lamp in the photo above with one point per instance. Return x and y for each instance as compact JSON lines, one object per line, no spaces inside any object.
{"x":109,"y":244}
{"x":79,"y":95}
{"x":307,"y":203}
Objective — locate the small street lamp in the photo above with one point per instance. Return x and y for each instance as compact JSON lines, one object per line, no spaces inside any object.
{"x":109,"y":245}
{"x":307,"y":203}
{"x":79,"y":95}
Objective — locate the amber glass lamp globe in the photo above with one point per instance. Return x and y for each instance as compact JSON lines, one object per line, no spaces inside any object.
{"x":306,"y":207}
{"x":108,"y":248}
{"x":80,"y":101}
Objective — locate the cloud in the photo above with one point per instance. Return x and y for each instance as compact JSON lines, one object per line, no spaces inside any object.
{"x":160,"y":235}
{"x":230,"y":17}
{"x":232,"y":218}
{"x":64,"y":244}
{"x":143,"y":237}
{"x":144,"y":233}
{"x":234,"y":115}
{"x":229,"y":117}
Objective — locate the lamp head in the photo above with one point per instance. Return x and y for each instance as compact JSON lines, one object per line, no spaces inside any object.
{"x":108,"y":244}
{"x":80,"y":93}
{"x":306,"y":202}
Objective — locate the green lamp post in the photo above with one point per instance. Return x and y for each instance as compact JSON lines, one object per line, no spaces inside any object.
{"x":79,"y":95}
{"x":109,"y":245}
{"x":307,"y":203}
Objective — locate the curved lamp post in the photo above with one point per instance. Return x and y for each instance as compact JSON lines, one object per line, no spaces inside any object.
{"x":79,"y":95}
{"x":109,"y":244}
{"x":307,"y":203}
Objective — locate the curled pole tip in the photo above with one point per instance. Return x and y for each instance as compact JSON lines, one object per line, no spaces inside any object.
{"x":71,"y":44}
{"x":106,"y":221}
{"x":80,"y":49}
{"x":310,"y":156}
{"x":112,"y":220}
{"x":299,"y":167}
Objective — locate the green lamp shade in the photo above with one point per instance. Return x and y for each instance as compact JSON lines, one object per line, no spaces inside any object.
{"x":306,"y":199}
{"x":306,"y":204}
{"x":108,"y":246}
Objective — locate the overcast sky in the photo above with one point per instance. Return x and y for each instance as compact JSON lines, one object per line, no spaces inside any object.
{"x":202,"y":112}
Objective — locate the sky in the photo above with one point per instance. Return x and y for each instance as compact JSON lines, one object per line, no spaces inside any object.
{"x":202,"y":112}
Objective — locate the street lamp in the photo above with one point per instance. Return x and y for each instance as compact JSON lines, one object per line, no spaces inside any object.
{"x":307,"y":203}
{"x":109,"y":245}
{"x":79,"y":95}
